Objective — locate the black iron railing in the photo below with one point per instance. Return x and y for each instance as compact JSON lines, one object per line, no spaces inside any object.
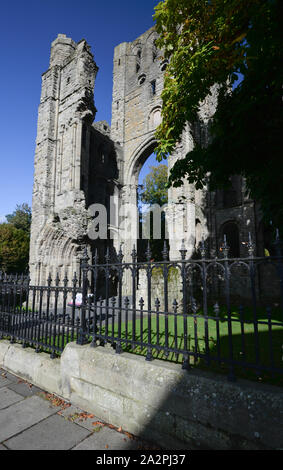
{"x":44,"y":317}
{"x":222,"y":314}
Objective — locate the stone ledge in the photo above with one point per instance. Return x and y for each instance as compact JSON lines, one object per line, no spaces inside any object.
{"x":39,"y":369}
{"x":156,"y":400}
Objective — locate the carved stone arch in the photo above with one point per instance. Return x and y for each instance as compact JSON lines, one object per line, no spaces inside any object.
{"x":138,"y":158}
{"x":154,"y":118}
{"x":151,"y":37}
{"x":51,"y":251}
{"x":56,"y":253}
{"x":151,"y":45}
{"x":66,"y":250}
{"x":137,"y":52}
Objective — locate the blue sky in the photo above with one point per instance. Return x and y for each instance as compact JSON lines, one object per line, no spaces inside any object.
{"x":27,"y":28}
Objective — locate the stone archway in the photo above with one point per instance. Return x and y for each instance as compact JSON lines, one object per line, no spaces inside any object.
{"x":56,"y":254}
{"x":129,"y":195}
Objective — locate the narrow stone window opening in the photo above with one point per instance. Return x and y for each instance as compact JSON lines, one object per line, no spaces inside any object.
{"x":153,"y":87}
{"x":138,"y":63}
{"x":84,"y":135}
{"x":154,"y":51}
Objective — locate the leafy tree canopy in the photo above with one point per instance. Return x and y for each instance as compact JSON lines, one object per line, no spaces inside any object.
{"x":211,"y":42}
{"x":14,"y":249}
{"x":154,"y":190}
{"x":21,"y":217}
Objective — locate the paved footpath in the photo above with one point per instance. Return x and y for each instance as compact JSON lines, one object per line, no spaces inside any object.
{"x":31,"y":419}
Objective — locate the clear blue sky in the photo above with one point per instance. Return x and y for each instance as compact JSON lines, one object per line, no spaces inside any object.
{"x":27,"y":28}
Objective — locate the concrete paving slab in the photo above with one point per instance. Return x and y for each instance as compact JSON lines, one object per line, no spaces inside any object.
{"x":107,"y":439}
{"x":4,"y":382}
{"x":22,"y":415}
{"x":23,"y":388}
{"x":76,"y":415}
{"x":53,"y":433}
{"x":44,"y":421}
{"x":10,"y":377}
{"x":8,"y":397}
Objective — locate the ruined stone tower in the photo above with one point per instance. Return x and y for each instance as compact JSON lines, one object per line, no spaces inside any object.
{"x":136,"y":112}
{"x":63,"y":166}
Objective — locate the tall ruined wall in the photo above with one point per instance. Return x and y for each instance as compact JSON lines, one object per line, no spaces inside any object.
{"x":58,"y":207}
{"x":192,"y":214}
{"x":138,"y":78}
{"x":67,"y":161}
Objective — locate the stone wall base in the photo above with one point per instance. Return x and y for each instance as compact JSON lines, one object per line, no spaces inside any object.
{"x":155,"y":400}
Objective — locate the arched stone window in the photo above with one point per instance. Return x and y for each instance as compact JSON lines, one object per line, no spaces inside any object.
{"x":138,"y":61}
{"x":163,"y":65}
{"x":231,"y":231}
{"x":154,"y":51}
{"x":154,"y":118}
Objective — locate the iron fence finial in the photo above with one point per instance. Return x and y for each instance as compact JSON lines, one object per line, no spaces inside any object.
{"x":202,"y":248}
{"x":148,"y":251}
{"x":165,"y":251}
{"x":183,"y":250}
{"x":225,"y":248}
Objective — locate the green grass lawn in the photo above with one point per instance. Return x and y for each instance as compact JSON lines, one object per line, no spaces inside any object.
{"x":212,"y":338}
{"x":208,"y":337}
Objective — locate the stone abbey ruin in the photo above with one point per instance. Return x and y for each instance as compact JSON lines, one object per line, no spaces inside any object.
{"x":80,"y":162}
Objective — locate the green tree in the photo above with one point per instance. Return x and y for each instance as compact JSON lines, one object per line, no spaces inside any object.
{"x":212,"y":42}
{"x":14,"y":249}
{"x":21,"y":217}
{"x":153,"y":191}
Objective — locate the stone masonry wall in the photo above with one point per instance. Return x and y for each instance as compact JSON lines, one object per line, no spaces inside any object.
{"x":159,"y":401}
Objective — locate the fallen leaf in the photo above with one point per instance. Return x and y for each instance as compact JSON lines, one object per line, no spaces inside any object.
{"x":97,"y":423}
{"x":97,"y":429}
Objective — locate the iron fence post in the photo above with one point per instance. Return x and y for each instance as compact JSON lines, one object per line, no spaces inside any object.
{"x":279,"y":252}
{"x":231,"y":374}
{"x":183,"y":251}
{"x":149,"y":274}
{"x":82,"y":337}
